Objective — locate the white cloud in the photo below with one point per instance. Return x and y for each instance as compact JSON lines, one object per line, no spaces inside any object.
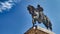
{"x":7,"y":5}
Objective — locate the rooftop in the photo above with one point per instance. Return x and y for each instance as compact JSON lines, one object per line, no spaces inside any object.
{"x":38,"y":30}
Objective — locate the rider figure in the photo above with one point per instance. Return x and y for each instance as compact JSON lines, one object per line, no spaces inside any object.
{"x":40,"y":10}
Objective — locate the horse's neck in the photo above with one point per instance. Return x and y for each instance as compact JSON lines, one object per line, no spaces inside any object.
{"x":36,"y":14}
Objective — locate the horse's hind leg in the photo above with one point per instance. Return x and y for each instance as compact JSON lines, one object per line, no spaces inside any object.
{"x":50,"y":26}
{"x":45,"y":25}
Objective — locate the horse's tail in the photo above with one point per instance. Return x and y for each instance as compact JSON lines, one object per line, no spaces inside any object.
{"x":48,"y":21}
{"x":50,"y":24}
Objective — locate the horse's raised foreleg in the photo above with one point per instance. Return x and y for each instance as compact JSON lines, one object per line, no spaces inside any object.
{"x":33,"y":22}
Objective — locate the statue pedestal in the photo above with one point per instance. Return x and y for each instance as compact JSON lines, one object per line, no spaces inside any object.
{"x":38,"y":30}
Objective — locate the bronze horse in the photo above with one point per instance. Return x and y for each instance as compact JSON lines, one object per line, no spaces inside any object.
{"x":35,"y":17}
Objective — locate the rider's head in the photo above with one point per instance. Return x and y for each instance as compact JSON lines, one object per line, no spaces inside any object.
{"x":38,"y":5}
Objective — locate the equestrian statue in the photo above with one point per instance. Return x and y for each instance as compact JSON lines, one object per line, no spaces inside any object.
{"x":38,"y":15}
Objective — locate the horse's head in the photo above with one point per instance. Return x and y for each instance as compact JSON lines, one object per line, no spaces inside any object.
{"x":30,"y":8}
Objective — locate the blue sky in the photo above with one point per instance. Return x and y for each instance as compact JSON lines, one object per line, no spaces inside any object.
{"x":17,"y":20}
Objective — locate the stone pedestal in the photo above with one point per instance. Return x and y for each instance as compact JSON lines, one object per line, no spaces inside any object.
{"x":38,"y":30}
